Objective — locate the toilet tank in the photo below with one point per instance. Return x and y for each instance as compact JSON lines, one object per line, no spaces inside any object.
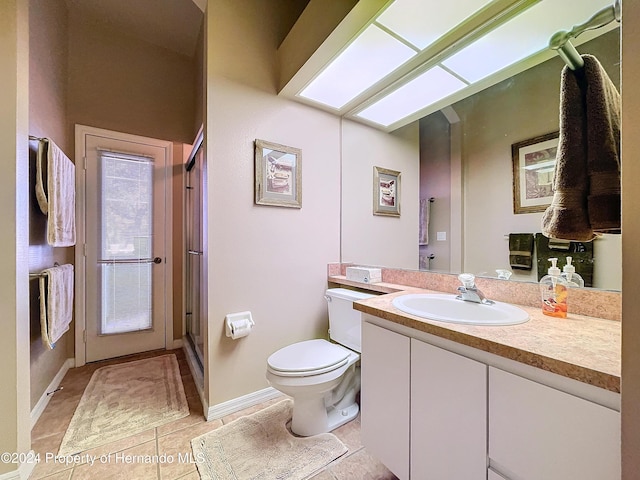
{"x":344,"y":321}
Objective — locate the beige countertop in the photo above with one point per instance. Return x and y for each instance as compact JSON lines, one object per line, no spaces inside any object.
{"x":583,"y":348}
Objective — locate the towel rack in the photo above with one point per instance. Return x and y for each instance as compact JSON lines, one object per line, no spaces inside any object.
{"x":560,"y":41}
{"x":41,"y":274}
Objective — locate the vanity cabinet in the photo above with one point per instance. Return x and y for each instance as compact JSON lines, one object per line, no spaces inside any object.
{"x":423,"y":408}
{"x":539,"y":432}
{"x":432,"y":413}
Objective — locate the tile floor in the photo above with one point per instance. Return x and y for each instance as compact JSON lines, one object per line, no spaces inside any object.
{"x":169,"y":439}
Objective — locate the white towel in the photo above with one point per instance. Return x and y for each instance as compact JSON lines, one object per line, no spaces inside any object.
{"x":425,"y":212}
{"x":58,"y":202}
{"x":56,"y":303}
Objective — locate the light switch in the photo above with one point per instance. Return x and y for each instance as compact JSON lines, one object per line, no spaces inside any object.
{"x":441,"y":236}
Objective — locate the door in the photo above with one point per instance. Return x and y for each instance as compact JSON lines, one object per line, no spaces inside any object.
{"x":125,"y":240}
{"x":195,"y":296}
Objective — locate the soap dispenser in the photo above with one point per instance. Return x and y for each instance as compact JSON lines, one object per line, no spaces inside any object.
{"x":553,"y":288}
{"x":569,"y":274}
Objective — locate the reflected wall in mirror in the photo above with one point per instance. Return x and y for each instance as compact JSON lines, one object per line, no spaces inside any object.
{"x":475,"y":136}
{"x":461,"y":156}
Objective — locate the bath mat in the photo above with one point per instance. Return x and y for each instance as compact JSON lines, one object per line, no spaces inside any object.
{"x":126,"y":399}
{"x":259,"y":447}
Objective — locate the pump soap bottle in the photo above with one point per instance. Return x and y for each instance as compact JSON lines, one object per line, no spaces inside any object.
{"x":553,"y":288}
{"x":569,"y":274}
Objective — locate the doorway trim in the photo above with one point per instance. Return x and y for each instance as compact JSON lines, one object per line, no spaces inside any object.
{"x":81,"y":132}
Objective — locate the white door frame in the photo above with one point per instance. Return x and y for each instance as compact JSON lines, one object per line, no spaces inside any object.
{"x":80,"y":254}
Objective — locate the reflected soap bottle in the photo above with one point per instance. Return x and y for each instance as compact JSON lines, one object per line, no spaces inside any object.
{"x":554,"y":291}
{"x":569,"y":274}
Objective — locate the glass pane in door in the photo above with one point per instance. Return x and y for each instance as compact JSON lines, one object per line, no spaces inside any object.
{"x":126,"y":297}
{"x":126,"y":235}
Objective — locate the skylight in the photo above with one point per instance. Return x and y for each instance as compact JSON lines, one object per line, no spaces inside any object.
{"x":413,"y":96}
{"x":519,"y":38}
{"x":372,"y":56}
{"x":422,"y":22}
{"x":460,"y":46}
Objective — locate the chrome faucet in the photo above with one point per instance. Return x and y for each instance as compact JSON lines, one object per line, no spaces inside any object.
{"x":468,"y":290}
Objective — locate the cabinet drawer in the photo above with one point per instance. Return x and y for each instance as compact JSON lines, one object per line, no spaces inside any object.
{"x":538,"y":432}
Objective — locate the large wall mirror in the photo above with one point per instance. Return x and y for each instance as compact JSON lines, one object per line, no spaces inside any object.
{"x":465,"y":165}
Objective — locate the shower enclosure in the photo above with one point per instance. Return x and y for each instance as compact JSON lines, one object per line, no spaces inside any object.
{"x":195,"y":268}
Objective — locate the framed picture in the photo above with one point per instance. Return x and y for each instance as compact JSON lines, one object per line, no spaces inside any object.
{"x":386,"y":192}
{"x":278,"y":172}
{"x":534,"y":163}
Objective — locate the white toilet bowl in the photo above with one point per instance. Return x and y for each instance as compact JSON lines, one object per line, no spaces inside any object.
{"x":322,"y":377}
{"x":323,"y":381}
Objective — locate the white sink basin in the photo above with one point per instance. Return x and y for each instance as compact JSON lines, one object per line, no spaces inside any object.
{"x":447,"y":308}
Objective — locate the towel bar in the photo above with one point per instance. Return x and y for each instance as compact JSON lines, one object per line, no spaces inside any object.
{"x":41,"y":274}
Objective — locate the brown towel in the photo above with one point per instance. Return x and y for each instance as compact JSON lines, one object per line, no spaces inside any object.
{"x":586,"y":198}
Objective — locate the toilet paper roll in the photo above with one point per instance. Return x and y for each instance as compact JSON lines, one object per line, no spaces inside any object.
{"x":240,"y":328}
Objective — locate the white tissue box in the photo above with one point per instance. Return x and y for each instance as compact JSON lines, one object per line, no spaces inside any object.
{"x":364,"y":275}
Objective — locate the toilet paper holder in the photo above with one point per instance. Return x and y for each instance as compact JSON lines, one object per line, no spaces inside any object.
{"x":238,"y":325}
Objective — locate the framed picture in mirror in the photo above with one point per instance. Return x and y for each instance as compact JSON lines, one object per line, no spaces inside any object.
{"x":278,"y":175}
{"x":386,"y":192}
{"x":534,"y":162}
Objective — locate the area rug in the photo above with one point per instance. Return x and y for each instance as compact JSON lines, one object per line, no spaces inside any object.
{"x":260,"y":447}
{"x":125,"y":399}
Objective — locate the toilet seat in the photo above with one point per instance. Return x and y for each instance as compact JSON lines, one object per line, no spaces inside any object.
{"x":311,"y":357}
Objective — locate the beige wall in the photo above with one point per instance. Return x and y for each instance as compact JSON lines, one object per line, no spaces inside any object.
{"x":14,"y":235}
{"x":435,"y":181}
{"x":630,"y":255}
{"x":47,"y":118}
{"x":120,"y":83}
{"x":374,"y":239}
{"x":269,"y":260}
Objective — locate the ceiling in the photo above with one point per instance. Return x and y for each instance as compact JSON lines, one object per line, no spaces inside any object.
{"x":171,"y":24}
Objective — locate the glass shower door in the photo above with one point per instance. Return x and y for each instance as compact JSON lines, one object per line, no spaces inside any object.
{"x":195,"y":271}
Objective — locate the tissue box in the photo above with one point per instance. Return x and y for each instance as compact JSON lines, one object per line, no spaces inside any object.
{"x":364,"y":274}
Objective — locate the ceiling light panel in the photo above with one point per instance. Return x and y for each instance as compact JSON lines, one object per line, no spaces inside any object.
{"x":521,"y":37}
{"x":424,"y":90}
{"x":368,"y":59}
{"x":422,"y":22}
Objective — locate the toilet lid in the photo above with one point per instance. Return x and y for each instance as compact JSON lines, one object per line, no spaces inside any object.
{"x":311,"y":356}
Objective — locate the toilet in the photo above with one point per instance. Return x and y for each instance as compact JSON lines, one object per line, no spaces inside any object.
{"x":320,"y":376}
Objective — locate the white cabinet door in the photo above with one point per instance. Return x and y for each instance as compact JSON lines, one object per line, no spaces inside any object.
{"x":385,"y":397}
{"x":448,"y":415}
{"x":537,"y":432}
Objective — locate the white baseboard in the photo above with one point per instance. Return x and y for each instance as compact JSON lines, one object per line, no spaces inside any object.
{"x":44,"y":399}
{"x":240,"y":403}
{"x":23,"y":471}
{"x":177,"y":344}
{"x":230,"y":406}
{"x":14,"y":475}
